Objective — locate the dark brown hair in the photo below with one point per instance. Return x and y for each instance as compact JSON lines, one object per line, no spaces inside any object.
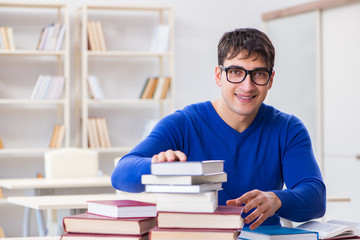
{"x":249,"y":39}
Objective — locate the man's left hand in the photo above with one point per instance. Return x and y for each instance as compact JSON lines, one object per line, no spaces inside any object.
{"x":265,"y":204}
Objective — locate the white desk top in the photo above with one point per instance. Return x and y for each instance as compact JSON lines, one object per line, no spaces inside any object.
{"x":33,"y":238}
{"x":37,"y":183}
{"x":60,"y":201}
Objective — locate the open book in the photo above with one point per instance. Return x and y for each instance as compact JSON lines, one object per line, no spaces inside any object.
{"x":333,"y":229}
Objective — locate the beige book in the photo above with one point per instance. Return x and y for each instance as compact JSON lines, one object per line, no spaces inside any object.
{"x":105,"y":132}
{"x":5,"y":38}
{"x":147,"y":88}
{"x":96,"y":36}
{"x":1,"y":143}
{"x":54,"y":136}
{"x":60,"y":136}
{"x":10,"y":34}
{"x":100,"y":32}
{"x":91,"y":37}
{"x":92,"y":134}
{"x":100,"y":132}
{"x":165,"y":88}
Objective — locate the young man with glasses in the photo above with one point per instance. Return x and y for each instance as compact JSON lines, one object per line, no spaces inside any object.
{"x":263,"y":148}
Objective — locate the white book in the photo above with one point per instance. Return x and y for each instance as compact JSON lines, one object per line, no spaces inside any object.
{"x":10,"y":34}
{"x":60,"y":38}
{"x":49,"y":37}
{"x":183,"y":180}
{"x":187,"y":167}
{"x":206,"y":187}
{"x":159,"y":88}
{"x":160,"y":40}
{"x":188,"y":206}
{"x":36,"y":89}
{"x":332,"y":228}
{"x":95,"y":88}
{"x":187,"y":197}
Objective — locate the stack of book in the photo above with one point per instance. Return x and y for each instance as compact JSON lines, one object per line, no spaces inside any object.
{"x":48,"y":87}
{"x":98,"y":133}
{"x":51,"y":37}
{"x":187,"y":201}
{"x":155,"y":88}
{"x":111,"y":220}
{"x":96,"y":36}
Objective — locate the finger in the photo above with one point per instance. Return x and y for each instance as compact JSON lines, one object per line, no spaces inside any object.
{"x":181,"y":156}
{"x":155,"y":158}
{"x":254,"y":215}
{"x":258,"y":222}
{"x":232,"y":202}
{"x":247,"y":197}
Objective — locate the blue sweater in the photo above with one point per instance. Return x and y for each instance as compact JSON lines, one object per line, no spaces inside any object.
{"x":274,"y":150}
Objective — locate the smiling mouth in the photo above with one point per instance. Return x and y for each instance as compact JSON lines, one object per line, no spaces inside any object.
{"x":245,"y":98}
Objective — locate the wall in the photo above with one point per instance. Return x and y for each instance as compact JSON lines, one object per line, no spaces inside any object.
{"x":198,"y":26}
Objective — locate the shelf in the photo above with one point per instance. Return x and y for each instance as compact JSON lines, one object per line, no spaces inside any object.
{"x":32,"y":101}
{"x":127,"y":101}
{"x":22,"y":151}
{"x":31,"y":53}
{"x":126,"y":54}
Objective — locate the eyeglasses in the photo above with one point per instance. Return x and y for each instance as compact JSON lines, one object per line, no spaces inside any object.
{"x":260,"y":77}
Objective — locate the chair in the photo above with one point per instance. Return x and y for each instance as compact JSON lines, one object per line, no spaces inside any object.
{"x":71,"y":162}
{"x":66,"y":163}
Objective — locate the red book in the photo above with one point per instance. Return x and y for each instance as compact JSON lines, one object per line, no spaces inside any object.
{"x":122,"y":208}
{"x":191,"y":234}
{"x":79,"y":236}
{"x":95,"y":224}
{"x":224,"y":217}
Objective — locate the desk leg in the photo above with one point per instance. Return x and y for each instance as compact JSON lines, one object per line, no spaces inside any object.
{"x":26,"y":221}
{"x":41,"y":224}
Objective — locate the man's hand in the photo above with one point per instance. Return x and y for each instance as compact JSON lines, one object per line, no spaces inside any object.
{"x":169,"y":156}
{"x":265,"y":204}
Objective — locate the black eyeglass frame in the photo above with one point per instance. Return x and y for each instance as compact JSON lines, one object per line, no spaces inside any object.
{"x":246,"y":73}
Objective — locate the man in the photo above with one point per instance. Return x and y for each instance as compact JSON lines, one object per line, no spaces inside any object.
{"x":263,"y":148}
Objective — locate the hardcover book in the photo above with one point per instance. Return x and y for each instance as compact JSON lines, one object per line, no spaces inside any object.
{"x":187,"y":206}
{"x":79,"y":236}
{"x":183,"y":180}
{"x":224,"y":217}
{"x":192,"y":234}
{"x":95,"y":224}
{"x":122,"y":208}
{"x":200,"y":188}
{"x":277,"y":233}
{"x":187,"y":168}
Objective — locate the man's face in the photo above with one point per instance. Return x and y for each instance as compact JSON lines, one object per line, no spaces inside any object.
{"x":243,"y":98}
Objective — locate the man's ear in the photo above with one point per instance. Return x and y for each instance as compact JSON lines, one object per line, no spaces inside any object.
{"x":218,"y":76}
{"x":271,"y":80}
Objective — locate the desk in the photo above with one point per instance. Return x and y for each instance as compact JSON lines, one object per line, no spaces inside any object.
{"x":35,"y":185}
{"x":62,"y":203}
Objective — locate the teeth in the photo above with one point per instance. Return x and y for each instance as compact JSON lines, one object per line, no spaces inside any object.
{"x":245,"y":97}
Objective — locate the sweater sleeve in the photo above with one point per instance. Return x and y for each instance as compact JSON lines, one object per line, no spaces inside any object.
{"x":165,"y":135}
{"x":305,"y":196}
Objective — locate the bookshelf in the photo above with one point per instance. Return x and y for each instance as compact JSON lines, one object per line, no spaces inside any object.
{"x":21,"y":67}
{"x":129,"y":32}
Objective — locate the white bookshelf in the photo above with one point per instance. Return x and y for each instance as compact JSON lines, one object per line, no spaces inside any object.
{"x":111,"y":18}
{"x":26,"y":36}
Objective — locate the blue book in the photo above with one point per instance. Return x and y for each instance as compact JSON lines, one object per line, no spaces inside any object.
{"x":277,"y":233}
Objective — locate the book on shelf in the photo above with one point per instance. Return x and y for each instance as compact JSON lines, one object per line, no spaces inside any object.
{"x":4,"y":38}
{"x":191,"y":234}
{"x":10,"y":38}
{"x":162,"y":88}
{"x":98,"y":133}
{"x":83,"y":236}
{"x":149,"y":88}
{"x":57,"y":136}
{"x":96,"y":91}
{"x":48,"y":87}
{"x":277,"y":233}
{"x":160,"y":39}
{"x":183,"y":180}
{"x":96,"y":38}
{"x":122,"y":208}
{"x":96,"y":224}
{"x":187,"y":167}
{"x":198,"y":188}
{"x":187,"y":206}
{"x":224,"y":217}
{"x":51,"y":37}
{"x":1,"y":143}
{"x":333,"y":229}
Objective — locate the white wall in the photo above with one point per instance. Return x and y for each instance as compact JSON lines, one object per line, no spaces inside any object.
{"x":198,"y":26}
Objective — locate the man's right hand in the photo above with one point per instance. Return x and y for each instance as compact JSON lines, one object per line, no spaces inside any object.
{"x":169,"y":156}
